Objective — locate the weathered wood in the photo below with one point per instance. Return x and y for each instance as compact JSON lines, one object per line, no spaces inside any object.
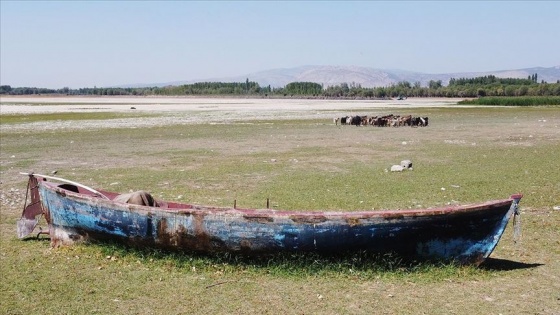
{"x":466,"y":234}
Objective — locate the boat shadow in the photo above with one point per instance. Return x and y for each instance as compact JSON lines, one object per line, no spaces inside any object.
{"x":497,"y":264}
{"x":36,"y":239}
{"x":312,"y":262}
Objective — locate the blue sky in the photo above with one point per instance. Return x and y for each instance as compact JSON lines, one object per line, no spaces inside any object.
{"x":102,"y":43}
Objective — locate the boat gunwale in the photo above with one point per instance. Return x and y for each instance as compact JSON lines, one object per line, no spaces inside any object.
{"x":263,"y":212}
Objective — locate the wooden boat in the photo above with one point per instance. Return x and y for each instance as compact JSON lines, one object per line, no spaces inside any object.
{"x":465,"y":234}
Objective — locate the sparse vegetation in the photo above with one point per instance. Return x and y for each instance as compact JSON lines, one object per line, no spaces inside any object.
{"x":474,"y":153}
{"x":18,"y":119}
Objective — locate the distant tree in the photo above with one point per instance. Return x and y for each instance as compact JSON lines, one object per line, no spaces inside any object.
{"x":345,"y":88}
{"x":434,"y":84}
{"x":303,"y":88}
{"x":510,"y":90}
{"x":523,"y":90}
{"x":5,"y":89}
{"x":404,"y":84}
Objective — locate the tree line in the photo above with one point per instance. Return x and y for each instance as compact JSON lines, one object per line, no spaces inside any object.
{"x":492,"y":79}
{"x":457,"y":87}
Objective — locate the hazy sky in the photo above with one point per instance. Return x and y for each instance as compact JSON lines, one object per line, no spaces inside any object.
{"x":105,"y":43}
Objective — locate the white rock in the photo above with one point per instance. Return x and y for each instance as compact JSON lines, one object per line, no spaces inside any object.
{"x":397,"y":168}
{"x":406,"y":163}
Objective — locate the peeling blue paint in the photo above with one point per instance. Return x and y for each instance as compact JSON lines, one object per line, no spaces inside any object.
{"x":463,"y":234}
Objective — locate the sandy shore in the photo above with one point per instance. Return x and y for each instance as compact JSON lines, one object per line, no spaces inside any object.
{"x":38,"y":104}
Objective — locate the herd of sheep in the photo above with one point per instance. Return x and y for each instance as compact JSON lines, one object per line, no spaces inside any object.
{"x":383,"y":121}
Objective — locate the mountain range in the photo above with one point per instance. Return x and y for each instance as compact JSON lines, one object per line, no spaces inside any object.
{"x":364,"y":76}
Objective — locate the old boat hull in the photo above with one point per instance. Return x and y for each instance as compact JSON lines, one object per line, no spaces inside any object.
{"x":466,"y":234}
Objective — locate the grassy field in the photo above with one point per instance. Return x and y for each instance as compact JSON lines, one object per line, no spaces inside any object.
{"x":465,"y":155}
{"x":54,"y":117}
{"x":514,"y":100}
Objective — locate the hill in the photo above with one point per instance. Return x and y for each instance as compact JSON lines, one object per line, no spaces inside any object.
{"x":364,"y":76}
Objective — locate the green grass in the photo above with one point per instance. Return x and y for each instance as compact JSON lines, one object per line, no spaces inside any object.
{"x":30,"y":118}
{"x":476,"y":154}
{"x":514,"y":101}
{"x":361,"y":265}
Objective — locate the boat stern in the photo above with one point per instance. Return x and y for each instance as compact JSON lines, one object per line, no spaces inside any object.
{"x":32,"y":209}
